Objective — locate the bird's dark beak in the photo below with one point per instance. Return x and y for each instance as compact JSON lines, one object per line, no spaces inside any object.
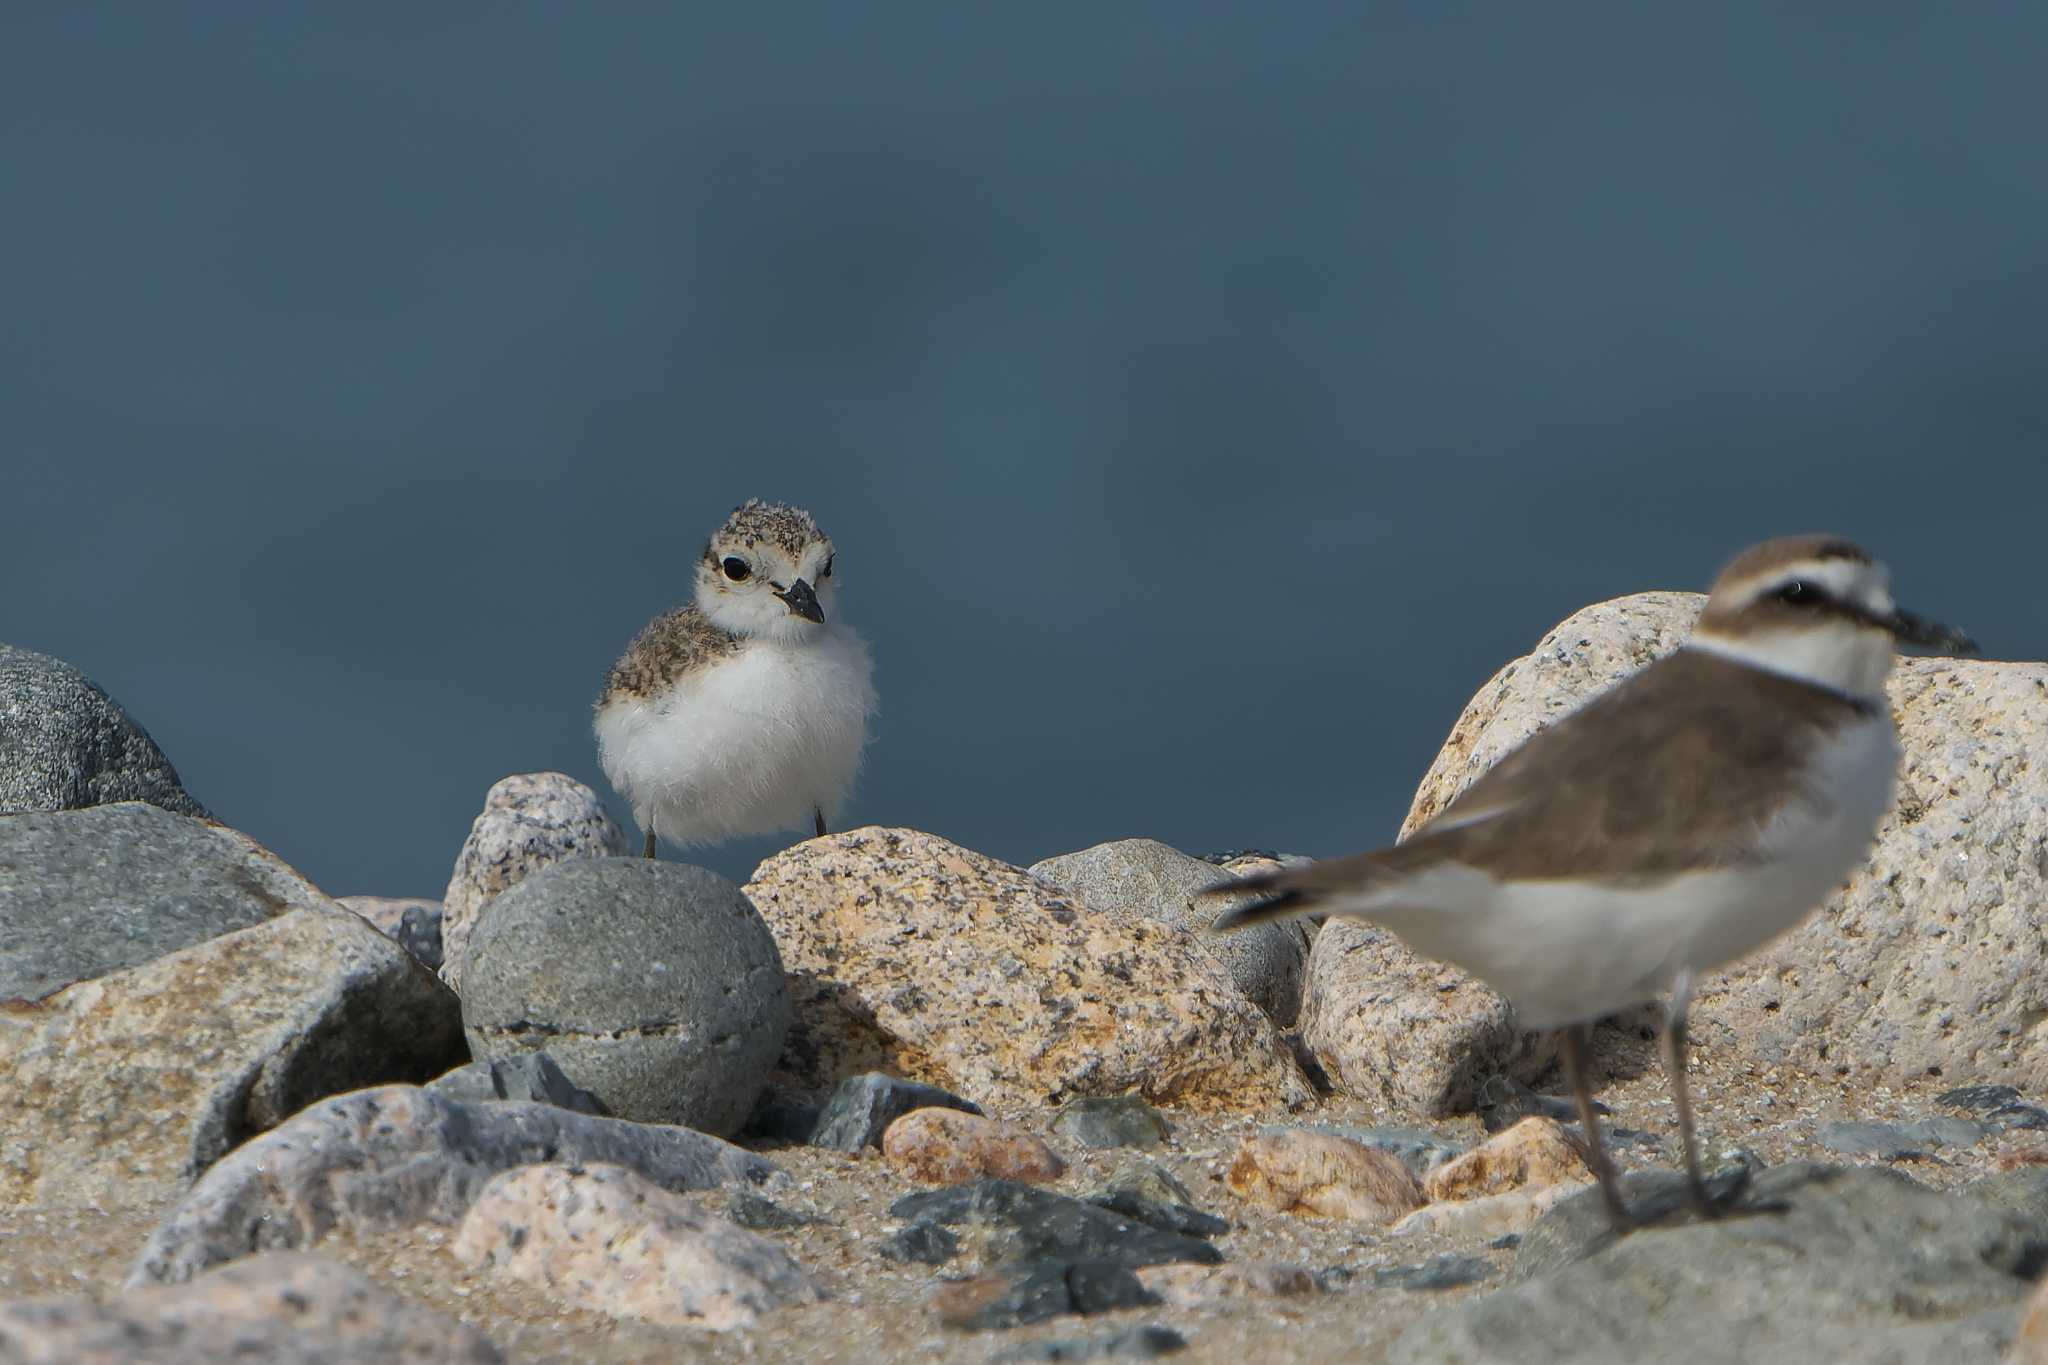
{"x":1909,"y":629}
{"x":801,"y":601}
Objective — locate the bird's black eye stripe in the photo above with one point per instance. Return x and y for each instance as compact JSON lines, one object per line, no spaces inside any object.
{"x":736,"y":568}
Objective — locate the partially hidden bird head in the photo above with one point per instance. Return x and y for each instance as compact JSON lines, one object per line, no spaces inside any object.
{"x":768,"y":572}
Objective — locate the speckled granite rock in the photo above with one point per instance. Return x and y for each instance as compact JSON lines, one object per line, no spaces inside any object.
{"x":948,"y":1147}
{"x":1315,"y":1174}
{"x":893,"y":938}
{"x":66,"y":745}
{"x":529,"y":821}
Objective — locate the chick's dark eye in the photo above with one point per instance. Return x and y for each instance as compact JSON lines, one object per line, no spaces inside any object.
{"x":735,"y":568}
{"x":1796,"y":592}
{"x":826,"y":572}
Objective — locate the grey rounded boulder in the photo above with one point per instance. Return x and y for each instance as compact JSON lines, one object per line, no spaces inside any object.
{"x":66,"y":745}
{"x":655,"y":986}
{"x":1145,"y":879}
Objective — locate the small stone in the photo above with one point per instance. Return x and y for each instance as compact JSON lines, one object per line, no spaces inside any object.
{"x":401,"y":1156}
{"x":1302,"y":1172}
{"x":1976,"y":1098}
{"x":948,"y":1147}
{"x":1101,"y":1121}
{"x":654,"y":985}
{"x":1193,"y":1286}
{"x":1173,"y":1217}
{"x":606,"y":1239}
{"x":287,"y":1307}
{"x":756,"y":1214}
{"x":2019,"y":1116}
{"x":1899,"y":1141}
{"x":1013,"y":1222}
{"x":414,"y":925}
{"x":1418,"y":1149}
{"x":1530,"y":1155}
{"x":1133,"y":1343}
{"x":1040,"y":1290}
{"x":862,"y":1108}
{"x":66,"y":745}
{"x":920,"y":1244}
{"x":1143,"y":879}
{"x":1447,"y":1271}
{"x":1148,"y":1181}
{"x":529,"y":821}
{"x":532,"y":1076}
{"x":1494,"y":1215}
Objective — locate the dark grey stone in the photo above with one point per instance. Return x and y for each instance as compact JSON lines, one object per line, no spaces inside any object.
{"x":920,"y":1244}
{"x":854,"y":1118}
{"x":400,"y":1156}
{"x":1862,"y":1264}
{"x":654,"y":985}
{"x":1416,"y":1148}
{"x":1133,"y":1343}
{"x":66,"y":745}
{"x":1171,"y":1217}
{"x":1101,"y":1121}
{"x":1038,"y":1225}
{"x":1149,"y":1181}
{"x":1145,"y":879}
{"x":1447,"y":1271}
{"x":750,"y":1210}
{"x":2028,"y":1116}
{"x":1975,"y":1098}
{"x":88,"y":892}
{"x":1051,"y":1289}
{"x":1895,"y":1141}
{"x":533,"y":1076}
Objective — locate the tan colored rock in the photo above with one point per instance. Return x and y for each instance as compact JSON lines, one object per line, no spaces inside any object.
{"x":529,"y":821}
{"x":603,"y":1238}
{"x":277,"y":1306}
{"x":2030,"y":1347}
{"x":1930,"y":961}
{"x":1532,"y":1154}
{"x":1297,"y":1171}
{"x":1488,"y":1217}
{"x":951,"y":1147}
{"x":1191,"y":1286}
{"x":912,"y":955}
{"x":121,"y":1090}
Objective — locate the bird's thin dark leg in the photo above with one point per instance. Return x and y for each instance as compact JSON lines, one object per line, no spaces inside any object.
{"x":818,"y":818}
{"x":1681,"y":1090}
{"x":649,"y":851}
{"x":1572,"y":1047}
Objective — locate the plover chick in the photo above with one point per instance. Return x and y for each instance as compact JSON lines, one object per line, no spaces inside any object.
{"x":746,"y":711}
{"x":1689,"y":815}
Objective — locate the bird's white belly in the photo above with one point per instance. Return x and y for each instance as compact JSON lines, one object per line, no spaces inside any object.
{"x":748,"y":745}
{"x":1565,"y":951}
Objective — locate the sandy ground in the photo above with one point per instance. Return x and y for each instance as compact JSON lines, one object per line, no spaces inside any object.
{"x":879,"y":1311}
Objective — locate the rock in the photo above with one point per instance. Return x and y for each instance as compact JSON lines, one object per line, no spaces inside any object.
{"x":1145,"y":880}
{"x":2030,"y":1347}
{"x":88,"y":892}
{"x":415,"y":925}
{"x":2019,"y":1116}
{"x":1133,"y":1343}
{"x":1978,"y":1098}
{"x":920,"y":1244}
{"x":1398,"y":1029}
{"x":1148,"y":1181}
{"x":654,"y":986}
{"x":1447,"y":1271}
{"x":1416,"y":1148}
{"x":756,"y":1214}
{"x":892,"y":938}
{"x":948,"y":1147}
{"x":529,"y":821}
{"x":1040,"y":1290}
{"x":1487,"y":1218}
{"x":1173,"y":1216}
{"x":1101,"y":1121}
{"x":1929,"y":962}
{"x":401,"y":1156}
{"x":1534,"y":1153}
{"x":1297,"y":1171}
{"x":533,"y":1076}
{"x":864,"y":1106}
{"x":604,"y":1238}
{"x":123,"y":1089}
{"x":1195,"y":1286}
{"x":2023,"y":1190}
{"x":66,"y":745}
{"x":287,"y":1307}
{"x":1017,"y":1223}
{"x":1864,"y":1265}
{"x":1894,"y":1141}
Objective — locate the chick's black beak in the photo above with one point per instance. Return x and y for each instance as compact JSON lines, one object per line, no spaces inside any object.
{"x":801,"y":601}
{"x":1909,"y":629}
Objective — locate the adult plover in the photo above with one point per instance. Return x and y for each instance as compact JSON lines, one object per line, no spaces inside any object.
{"x":747,"y":711}
{"x":1686,"y":817}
